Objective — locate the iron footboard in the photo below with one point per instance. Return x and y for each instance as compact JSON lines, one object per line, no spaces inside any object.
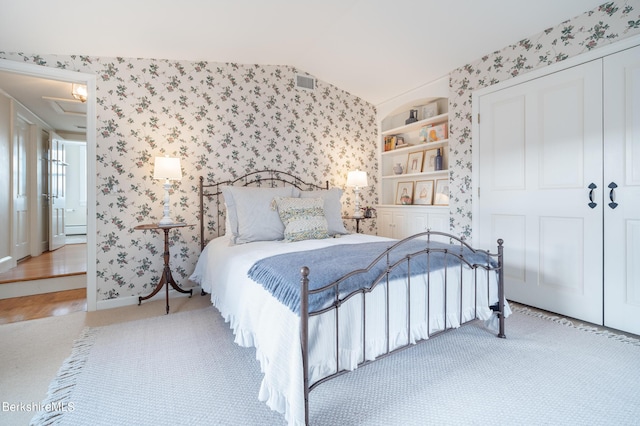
{"x":495,"y":263}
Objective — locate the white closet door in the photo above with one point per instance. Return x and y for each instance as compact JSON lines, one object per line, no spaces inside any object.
{"x":622,"y":169}
{"x":540,"y":150}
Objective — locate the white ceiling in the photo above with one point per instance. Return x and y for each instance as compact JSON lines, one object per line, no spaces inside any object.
{"x":50,"y":100}
{"x":374,"y":49}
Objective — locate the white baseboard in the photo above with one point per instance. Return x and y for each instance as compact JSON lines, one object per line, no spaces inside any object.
{"x":75,"y":229}
{"x":48,"y":285}
{"x":133,"y":300}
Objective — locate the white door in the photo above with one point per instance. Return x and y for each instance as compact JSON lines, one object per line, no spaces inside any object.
{"x":540,"y":159}
{"x":42,"y":173}
{"x":57,"y":176}
{"x":21,"y":248}
{"x":622,"y":178}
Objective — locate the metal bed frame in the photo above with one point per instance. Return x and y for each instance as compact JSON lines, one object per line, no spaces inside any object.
{"x":267,"y":178}
{"x":275,"y":178}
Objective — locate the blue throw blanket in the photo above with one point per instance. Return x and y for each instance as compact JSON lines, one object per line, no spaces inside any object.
{"x":280,"y":274}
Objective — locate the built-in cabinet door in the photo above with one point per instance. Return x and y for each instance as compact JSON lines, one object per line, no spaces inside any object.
{"x":385,"y":223}
{"x":540,"y":189}
{"x":421,"y":221}
{"x":622,"y":190}
{"x":439,"y":222}
{"x":392,"y":223}
{"x":402,"y":222}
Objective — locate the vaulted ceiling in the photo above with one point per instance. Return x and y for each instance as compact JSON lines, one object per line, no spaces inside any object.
{"x":371,"y":48}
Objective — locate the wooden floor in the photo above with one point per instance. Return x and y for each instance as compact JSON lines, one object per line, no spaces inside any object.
{"x":68,"y":260}
{"x":42,"y":305}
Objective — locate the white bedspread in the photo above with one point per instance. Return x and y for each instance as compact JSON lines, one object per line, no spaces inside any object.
{"x":258,"y":319}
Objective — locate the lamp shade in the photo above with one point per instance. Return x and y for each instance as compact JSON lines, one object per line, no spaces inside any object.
{"x":357,"y":179}
{"x":167,"y":168}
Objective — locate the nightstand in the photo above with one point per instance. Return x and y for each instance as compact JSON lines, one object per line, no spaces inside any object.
{"x":357,"y":219}
{"x":167,"y":279}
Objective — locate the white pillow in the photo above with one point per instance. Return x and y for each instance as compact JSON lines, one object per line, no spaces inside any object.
{"x":332,"y":208}
{"x":250,"y":215}
{"x":303,"y":218}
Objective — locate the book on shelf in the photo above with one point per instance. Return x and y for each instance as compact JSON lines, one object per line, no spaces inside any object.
{"x":393,"y":142}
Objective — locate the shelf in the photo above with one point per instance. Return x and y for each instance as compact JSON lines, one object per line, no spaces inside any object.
{"x":417,"y":175}
{"x":417,"y":125}
{"x":412,"y":206}
{"x":418,"y":147}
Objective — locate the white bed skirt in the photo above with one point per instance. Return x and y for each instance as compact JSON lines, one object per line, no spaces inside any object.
{"x":259,"y":320}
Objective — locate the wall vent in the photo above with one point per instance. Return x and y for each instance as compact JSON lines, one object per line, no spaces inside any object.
{"x":305,"y":82}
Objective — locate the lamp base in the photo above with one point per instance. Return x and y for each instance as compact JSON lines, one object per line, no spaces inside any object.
{"x":165,"y":221}
{"x":357,"y":213}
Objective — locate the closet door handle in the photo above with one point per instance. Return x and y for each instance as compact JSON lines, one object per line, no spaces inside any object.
{"x":591,"y":204}
{"x":612,"y":195}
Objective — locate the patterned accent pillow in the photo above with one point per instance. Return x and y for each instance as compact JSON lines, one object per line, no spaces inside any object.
{"x":303,"y":218}
{"x":332,"y":208}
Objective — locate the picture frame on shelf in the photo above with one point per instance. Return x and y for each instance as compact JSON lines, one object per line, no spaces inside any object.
{"x":414,"y":163}
{"x":404,"y":193}
{"x":441,"y":197}
{"x":437,"y":132}
{"x":424,"y":133}
{"x":400,"y":143}
{"x":429,"y":110}
{"x":423,"y":194}
{"x":430,"y":160}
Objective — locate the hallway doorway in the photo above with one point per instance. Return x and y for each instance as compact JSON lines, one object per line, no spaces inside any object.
{"x":88,"y":273}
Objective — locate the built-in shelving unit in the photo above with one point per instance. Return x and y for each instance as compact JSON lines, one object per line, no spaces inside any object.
{"x":398,"y":218}
{"x":410,"y":133}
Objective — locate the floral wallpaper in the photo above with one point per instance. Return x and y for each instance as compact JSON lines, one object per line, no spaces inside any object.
{"x":606,"y":24}
{"x":222,"y":120}
{"x":225,"y":119}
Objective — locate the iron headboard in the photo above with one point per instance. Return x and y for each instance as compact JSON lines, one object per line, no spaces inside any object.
{"x":268,"y":178}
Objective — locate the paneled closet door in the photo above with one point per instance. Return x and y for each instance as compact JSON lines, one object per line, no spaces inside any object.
{"x":540,"y":189}
{"x":622,"y":197}
{"x":21,"y":234}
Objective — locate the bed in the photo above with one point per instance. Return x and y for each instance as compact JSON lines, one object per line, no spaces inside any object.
{"x":316,"y":304}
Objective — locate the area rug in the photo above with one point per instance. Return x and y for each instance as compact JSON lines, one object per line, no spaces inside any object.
{"x":184,"y":368}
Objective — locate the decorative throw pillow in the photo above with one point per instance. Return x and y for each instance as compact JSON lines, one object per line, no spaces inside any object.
{"x":250,"y":215}
{"x":332,"y":208}
{"x":303,"y":218}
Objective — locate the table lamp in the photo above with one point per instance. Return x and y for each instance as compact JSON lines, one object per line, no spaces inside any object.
{"x":167,"y":168}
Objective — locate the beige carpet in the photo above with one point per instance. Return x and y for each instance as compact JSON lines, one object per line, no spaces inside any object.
{"x":185,"y":369}
{"x":32,"y":351}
